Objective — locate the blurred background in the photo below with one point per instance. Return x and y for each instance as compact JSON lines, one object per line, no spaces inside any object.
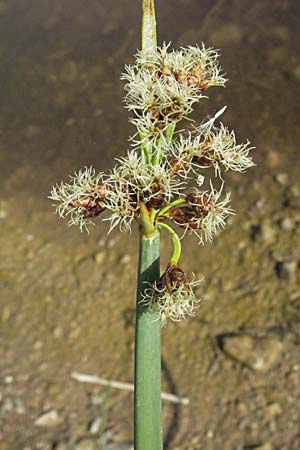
{"x":67,"y":298}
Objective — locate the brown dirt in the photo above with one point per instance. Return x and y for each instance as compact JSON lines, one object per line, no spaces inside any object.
{"x":67,"y":298}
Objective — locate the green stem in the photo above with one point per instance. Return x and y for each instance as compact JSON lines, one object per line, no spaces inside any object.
{"x":170,"y":131}
{"x":153,"y":213}
{"x":166,"y":208}
{"x":147,"y":228}
{"x":146,"y":154}
{"x":156,"y":155}
{"x":147,"y":378}
{"x":145,"y":150}
{"x":147,"y":368}
{"x":176,"y":242}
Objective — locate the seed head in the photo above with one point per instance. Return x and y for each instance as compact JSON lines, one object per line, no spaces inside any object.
{"x":81,"y":199}
{"x":172,"y":296}
{"x":217,"y":147}
{"x":131,"y":181}
{"x":162,"y":86}
{"x":194,"y":66}
{"x":204,"y":213}
{"x":209,"y":146}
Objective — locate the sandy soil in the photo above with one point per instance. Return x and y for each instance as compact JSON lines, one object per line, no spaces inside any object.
{"x":67,"y":298}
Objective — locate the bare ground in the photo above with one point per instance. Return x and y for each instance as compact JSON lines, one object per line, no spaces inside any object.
{"x":67,"y":299}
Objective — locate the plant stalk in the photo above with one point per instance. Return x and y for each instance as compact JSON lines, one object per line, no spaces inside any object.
{"x":147,"y":376}
{"x":147,"y":368}
{"x":149,"y":40}
{"x":176,"y":242}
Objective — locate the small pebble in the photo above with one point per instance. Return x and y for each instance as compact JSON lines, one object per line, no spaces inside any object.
{"x":3,"y":214}
{"x":20,"y":408}
{"x":7,"y":405}
{"x":95,"y":425}
{"x":273,"y":158}
{"x":58,"y":332}
{"x":273,"y":409}
{"x":210,"y":434}
{"x":38,"y":344}
{"x":49,"y":419}
{"x":125,"y":259}
{"x":282,"y":178}
{"x":9,"y":379}
{"x":100,"y":257}
{"x":286,"y":269}
{"x":268,"y":232}
{"x":260,"y":354}
{"x":111,"y":243}
{"x":287,"y":224}
{"x":242,"y":408}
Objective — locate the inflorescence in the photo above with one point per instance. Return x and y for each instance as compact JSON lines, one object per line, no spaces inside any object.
{"x":172,"y":295}
{"x":156,"y":174}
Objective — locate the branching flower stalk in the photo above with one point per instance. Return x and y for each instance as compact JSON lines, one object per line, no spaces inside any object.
{"x":159,"y":186}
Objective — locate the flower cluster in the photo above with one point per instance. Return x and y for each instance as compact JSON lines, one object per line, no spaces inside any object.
{"x":210,"y":146}
{"x":203,"y":213}
{"x":156,"y":175}
{"x":82,"y":199}
{"x":162,"y":87}
{"x":120,"y":192}
{"x":172,"y":296}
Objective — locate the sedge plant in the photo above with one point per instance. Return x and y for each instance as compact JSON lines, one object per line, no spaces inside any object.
{"x":158,"y":184}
